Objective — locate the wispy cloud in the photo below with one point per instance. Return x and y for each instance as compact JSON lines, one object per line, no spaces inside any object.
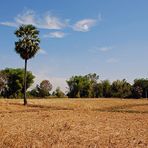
{"x":10,"y":24}
{"x":48,"y":21}
{"x":56,"y":34}
{"x":51,"y":22}
{"x":112,"y":60}
{"x":102,"y":49}
{"x":84,"y":25}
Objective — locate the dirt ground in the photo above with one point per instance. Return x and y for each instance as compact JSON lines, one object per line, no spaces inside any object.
{"x":74,"y":123}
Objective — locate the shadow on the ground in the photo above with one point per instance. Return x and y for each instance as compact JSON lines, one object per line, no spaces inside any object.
{"x":37,"y":108}
{"x":123,"y":108}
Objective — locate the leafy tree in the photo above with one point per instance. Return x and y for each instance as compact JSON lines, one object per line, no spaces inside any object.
{"x":93,"y":77}
{"x":106,"y":88}
{"x":93,"y":84}
{"x":34,"y":92}
{"x":14,"y":84}
{"x":3,"y":82}
{"x":27,"y":46}
{"x":121,"y":89}
{"x":74,"y":86}
{"x":42,"y":90}
{"x":46,"y":85}
{"x":58,"y":93}
{"x":82,"y":86}
{"x":85,"y":91}
{"x":137,"y":92}
{"x":143,"y":84}
{"x":78,"y":86}
{"x":99,"y":91}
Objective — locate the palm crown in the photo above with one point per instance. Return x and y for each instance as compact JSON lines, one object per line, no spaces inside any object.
{"x":28,"y":43}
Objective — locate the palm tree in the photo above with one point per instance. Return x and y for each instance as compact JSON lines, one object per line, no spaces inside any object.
{"x":27,"y":46}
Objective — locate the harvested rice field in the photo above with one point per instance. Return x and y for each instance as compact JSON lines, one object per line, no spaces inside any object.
{"x":74,"y":123}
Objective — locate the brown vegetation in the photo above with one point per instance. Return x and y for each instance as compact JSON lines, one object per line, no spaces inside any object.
{"x":74,"y":123}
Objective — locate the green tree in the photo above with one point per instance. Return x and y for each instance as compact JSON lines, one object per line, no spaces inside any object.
{"x":44,"y":88}
{"x":3,"y":82}
{"x":58,"y":93}
{"x":14,"y":85}
{"x":137,"y":91}
{"x":143,"y":84}
{"x":106,"y":88}
{"x":86,"y":88}
{"x":34,"y":92}
{"x":121,"y":89}
{"x":75,"y":86}
{"x":99,"y":91}
{"x":82,"y":86}
{"x":27,"y":46}
{"x":93,"y":84}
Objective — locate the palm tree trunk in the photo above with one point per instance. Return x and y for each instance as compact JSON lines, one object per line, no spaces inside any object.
{"x":25,"y":75}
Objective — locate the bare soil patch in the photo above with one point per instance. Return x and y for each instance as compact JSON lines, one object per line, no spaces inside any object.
{"x":74,"y":123}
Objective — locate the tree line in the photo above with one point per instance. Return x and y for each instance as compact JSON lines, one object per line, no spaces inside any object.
{"x":12,"y":85}
{"x":87,"y":86}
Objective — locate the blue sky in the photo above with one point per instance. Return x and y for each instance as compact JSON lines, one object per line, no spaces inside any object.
{"x":79,"y":37}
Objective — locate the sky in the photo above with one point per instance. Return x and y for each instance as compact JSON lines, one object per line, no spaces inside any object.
{"x":107,"y":37}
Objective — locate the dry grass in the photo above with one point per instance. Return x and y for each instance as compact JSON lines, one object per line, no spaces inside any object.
{"x":75,"y":123}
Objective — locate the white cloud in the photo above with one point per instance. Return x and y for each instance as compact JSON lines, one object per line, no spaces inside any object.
{"x":26,"y":18}
{"x":102,"y":49}
{"x":105,"y":48}
{"x":50,"y":21}
{"x":84,"y":25}
{"x":56,"y":34}
{"x":10,"y":24}
{"x":112,"y":60}
{"x":47,"y":21}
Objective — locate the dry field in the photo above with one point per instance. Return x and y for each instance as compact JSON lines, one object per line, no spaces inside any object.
{"x":74,"y":123}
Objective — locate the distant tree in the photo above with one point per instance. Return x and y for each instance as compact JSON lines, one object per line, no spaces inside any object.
{"x":3,"y":82}
{"x":99,"y":91}
{"x":93,"y":84}
{"x":106,"y":88}
{"x":93,"y":77}
{"x":82,"y":86}
{"x":75,"y":85}
{"x":59,"y":93}
{"x":27,"y":46}
{"x":14,"y":83}
{"x":86,"y":88}
{"x":44,"y":88}
{"x":142,"y":84}
{"x":34,"y":92}
{"x":121,"y":89}
{"x":46,"y":85}
{"x":137,"y":92}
